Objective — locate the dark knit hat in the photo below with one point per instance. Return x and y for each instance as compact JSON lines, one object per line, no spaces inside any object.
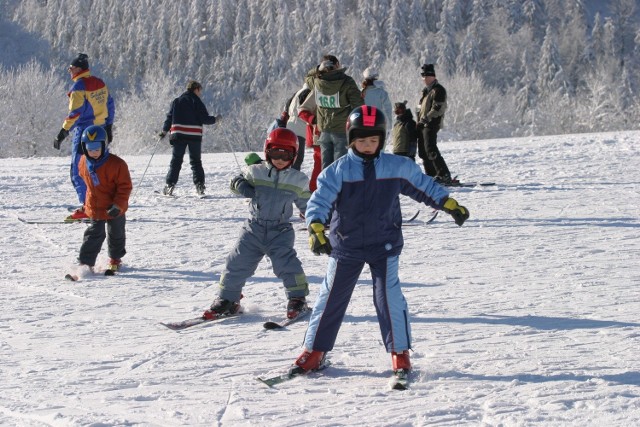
{"x":81,"y":61}
{"x":428,"y":70}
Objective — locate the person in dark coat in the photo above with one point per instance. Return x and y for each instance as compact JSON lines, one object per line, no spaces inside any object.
{"x":433,"y":105}
{"x":184,"y":122}
{"x":404,"y":137}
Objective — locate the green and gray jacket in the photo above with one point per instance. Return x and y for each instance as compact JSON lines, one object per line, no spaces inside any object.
{"x":336,"y":96}
{"x":272,"y":192}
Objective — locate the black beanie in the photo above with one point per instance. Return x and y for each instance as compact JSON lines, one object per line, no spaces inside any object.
{"x":81,"y":61}
{"x":428,"y":70}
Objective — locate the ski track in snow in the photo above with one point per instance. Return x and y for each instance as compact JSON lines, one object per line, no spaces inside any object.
{"x":526,"y":315}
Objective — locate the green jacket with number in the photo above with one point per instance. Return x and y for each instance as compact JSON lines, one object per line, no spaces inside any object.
{"x":336,"y":94}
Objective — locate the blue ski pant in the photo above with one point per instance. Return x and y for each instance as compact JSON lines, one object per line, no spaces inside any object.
{"x":76,"y":155}
{"x":257,"y":239}
{"x":335,"y":294}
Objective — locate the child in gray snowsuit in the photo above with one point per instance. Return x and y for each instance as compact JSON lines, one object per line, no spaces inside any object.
{"x":273,"y":186}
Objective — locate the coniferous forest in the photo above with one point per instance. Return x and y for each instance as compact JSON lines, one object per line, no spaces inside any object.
{"x":511,"y":68}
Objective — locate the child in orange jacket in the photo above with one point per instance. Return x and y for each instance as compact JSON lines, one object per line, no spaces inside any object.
{"x":108,"y":188}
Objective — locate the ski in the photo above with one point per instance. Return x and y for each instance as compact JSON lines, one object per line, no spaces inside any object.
{"x":71,"y":277}
{"x":30,"y":221}
{"x":469,"y":184}
{"x":399,"y":380}
{"x":184,"y":324}
{"x":434,"y":214}
{"x":414,"y":216}
{"x":286,"y":322}
{"x":292,"y":373}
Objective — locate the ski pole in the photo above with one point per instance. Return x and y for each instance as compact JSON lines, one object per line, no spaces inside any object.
{"x":145,"y":170}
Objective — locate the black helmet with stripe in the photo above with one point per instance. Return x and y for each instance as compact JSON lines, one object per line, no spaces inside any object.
{"x":365,"y":121}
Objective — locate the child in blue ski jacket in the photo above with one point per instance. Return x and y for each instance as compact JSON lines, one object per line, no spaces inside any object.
{"x":273,"y":187}
{"x":360,"y":192}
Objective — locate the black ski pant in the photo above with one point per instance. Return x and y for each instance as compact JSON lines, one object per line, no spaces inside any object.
{"x":94,"y":236}
{"x":195,"y":159}
{"x":300,"y":157}
{"x":434,"y":164}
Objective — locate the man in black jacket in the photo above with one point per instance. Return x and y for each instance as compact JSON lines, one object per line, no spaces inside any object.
{"x":185,"y":119}
{"x":433,"y":104}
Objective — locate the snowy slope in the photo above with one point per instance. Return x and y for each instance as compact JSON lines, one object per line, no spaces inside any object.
{"x":527,"y":315}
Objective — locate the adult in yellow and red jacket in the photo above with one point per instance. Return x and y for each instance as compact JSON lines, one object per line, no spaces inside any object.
{"x":90,"y":103}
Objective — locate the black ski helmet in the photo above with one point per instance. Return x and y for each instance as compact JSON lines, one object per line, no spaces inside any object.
{"x":364,"y":121}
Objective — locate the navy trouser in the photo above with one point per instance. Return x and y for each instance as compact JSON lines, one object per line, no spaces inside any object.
{"x":195,"y":159}
{"x":335,"y":294}
{"x":94,"y":236}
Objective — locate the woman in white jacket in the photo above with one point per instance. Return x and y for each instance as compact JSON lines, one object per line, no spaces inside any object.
{"x":375,"y":94}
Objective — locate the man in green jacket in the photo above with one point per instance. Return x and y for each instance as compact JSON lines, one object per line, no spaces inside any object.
{"x":336,"y":94}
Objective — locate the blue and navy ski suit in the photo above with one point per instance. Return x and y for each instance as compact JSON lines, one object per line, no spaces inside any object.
{"x":366,"y":227}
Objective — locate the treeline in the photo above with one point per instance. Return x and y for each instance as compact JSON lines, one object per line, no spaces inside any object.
{"x":512,"y":68}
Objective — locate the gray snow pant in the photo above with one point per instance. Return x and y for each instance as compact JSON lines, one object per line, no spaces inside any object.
{"x":257,"y":239}
{"x":94,"y":236}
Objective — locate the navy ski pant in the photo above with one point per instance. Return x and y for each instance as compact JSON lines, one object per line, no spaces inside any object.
{"x":335,"y":294}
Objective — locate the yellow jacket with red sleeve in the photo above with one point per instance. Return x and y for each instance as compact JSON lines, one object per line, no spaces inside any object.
{"x":108,"y":183}
{"x":89,"y":102}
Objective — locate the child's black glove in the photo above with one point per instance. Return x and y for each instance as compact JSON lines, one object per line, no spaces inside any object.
{"x":318,"y":242}
{"x":459,"y":213}
{"x":113,"y":211}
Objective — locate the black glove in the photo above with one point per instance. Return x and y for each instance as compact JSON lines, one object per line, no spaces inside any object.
{"x":459,"y":213}
{"x":109,"y":130}
{"x":318,"y":242}
{"x":235,"y":183}
{"x":61,"y":136}
{"x":114,"y":211}
{"x":162,"y":134}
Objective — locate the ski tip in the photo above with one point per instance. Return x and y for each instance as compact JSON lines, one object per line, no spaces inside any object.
{"x":272,"y":325}
{"x":109,"y":273}
{"x":71,"y":277}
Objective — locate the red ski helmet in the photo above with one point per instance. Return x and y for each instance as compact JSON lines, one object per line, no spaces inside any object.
{"x":281,"y":140}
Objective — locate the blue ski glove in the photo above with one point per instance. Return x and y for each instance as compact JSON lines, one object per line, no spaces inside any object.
{"x":318,"y":242}
{"x":459,"y":213}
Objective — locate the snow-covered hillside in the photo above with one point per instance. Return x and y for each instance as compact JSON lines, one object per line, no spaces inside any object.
{"x":526,"y":315}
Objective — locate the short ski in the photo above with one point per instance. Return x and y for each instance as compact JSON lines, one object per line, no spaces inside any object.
{"x":71,"y":277}
{"x":184,"y":324}
{"x":286,"y":322}
{"x":29,"y":221}
{"x":469,"y":184}
{"x":399,"y":380}
{"x":291,"y":374}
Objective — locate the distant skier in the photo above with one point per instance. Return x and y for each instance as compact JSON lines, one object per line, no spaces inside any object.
{"x":336,"y":95}
{"x":375,"y":94}
{"x":362,"y":189}
{"x":90,"y":103}
{"x":404,"y":137}
{"x":185,"y":119}
{"x":108,"y":189}
{"x":433,"y":105}
{"x":273,"y":187}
